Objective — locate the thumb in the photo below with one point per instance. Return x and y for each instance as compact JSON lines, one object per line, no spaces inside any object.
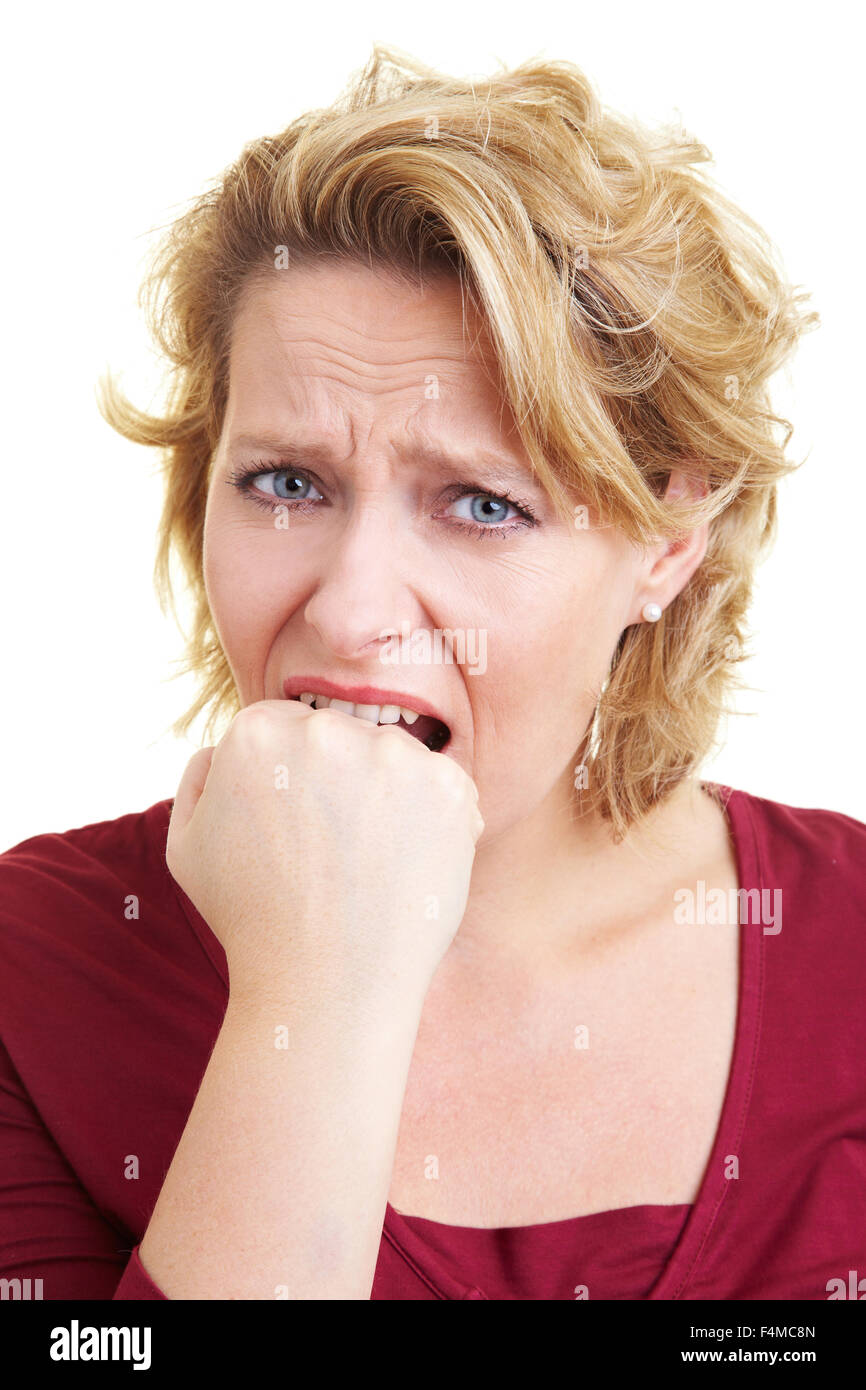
{"x":191,"y":786}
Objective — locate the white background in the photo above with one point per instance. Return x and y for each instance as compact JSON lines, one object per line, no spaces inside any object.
{"x":115,"y":118}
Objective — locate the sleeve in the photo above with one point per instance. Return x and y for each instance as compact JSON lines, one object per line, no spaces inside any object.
{"x":51,"y":1233}
{"x":136,"y":1282}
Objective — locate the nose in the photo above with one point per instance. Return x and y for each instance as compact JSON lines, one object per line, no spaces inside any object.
{"x":362,"y":580}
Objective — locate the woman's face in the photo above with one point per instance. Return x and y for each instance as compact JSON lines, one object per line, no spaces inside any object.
{"x":362,"y":390}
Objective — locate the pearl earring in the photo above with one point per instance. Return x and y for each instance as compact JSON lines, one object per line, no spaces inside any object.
{"x":651,"y":612}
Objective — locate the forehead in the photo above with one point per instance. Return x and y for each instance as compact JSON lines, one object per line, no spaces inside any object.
{"x":362,"y":314}
{"x":340,"y":340}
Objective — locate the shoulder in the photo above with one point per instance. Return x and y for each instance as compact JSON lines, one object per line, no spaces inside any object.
{"x":110,"y":1000}
{"x":804,"y":843}
{"x":125,"y":831}
{"x":89,"y":861}
{"x":79,"y":904}
{"x":809,"y":864}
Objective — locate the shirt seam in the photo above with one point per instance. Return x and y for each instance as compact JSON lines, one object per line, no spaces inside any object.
{"x":414,"y":1266}
{"x":713,"y":1215}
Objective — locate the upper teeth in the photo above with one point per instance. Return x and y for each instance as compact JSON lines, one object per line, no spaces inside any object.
{"x":377,"y":714}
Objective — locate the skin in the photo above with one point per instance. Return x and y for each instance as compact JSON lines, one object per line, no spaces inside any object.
{"x":340,"y":355}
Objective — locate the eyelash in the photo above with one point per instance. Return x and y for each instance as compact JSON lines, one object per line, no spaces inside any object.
{"x":242,"y":478}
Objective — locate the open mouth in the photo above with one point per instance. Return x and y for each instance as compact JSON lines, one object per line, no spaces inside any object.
{"x":433,"y":733}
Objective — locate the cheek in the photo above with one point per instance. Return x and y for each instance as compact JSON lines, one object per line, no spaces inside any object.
{"x":517,"y":762}
{"x":245,"y":582}
{"x":535,"y":704}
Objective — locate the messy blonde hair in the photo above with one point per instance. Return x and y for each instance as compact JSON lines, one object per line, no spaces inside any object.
{"x":636,"y":316}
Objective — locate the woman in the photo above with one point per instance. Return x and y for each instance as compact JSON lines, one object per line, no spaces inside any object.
{"x":444,"y":933}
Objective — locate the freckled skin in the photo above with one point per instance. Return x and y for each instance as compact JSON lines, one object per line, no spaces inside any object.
{"x":346,"y":355}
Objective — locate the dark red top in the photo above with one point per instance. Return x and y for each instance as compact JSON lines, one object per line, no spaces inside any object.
{"x":113,"y":990}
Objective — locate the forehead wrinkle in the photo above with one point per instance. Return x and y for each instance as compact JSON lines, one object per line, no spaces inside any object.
{"x":307,"y":359}
{"x":282,"y":318}
{"x":333,"y":377}
{"x":330,"y":353}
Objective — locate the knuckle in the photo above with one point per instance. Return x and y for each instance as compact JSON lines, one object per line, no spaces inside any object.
{"x":251,"y":720}
{"x":393,"y":745}
{"x":451,"y":776}
{"x":322,"y":730}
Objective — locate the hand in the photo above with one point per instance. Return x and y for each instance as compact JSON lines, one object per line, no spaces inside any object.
{"x":311,"y":840}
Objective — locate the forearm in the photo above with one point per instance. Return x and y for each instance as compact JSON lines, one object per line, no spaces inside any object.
{"x":279,"y":1184}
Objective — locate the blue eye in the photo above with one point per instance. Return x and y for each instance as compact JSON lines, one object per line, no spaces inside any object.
{"x":500,"y":506}
{"x":277,"y":488}
{"x":281,"y":481}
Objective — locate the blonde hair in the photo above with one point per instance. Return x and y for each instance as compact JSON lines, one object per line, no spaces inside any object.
{"x":636,"y":315}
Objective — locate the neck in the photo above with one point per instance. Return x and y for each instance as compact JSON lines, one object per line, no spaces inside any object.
{"x":550,"y":888}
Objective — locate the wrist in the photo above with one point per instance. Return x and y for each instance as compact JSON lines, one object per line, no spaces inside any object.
{"x":297,"y":993}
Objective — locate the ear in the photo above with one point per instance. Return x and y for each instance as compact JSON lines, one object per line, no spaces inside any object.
{"x":670,"y":565}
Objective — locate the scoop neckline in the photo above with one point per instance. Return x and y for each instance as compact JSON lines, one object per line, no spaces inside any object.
{"x":683,"y":1260}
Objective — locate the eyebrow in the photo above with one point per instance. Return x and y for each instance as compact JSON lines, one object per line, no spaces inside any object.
{"x":294,"y":451}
